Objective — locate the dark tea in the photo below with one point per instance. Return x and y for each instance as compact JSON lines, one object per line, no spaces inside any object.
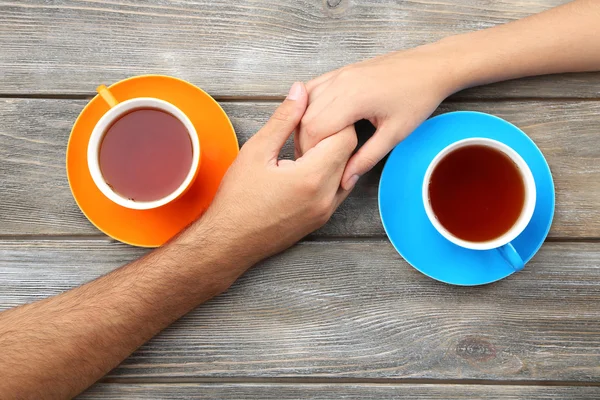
{"x":145,"y":155}
{"x":477,"y":193}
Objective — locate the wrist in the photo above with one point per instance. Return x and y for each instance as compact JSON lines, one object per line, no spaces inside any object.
{"x":211,"y":252}
{"x":463,"y":66}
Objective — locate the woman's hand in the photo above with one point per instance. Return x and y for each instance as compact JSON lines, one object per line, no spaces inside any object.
{"x":396,"y":92}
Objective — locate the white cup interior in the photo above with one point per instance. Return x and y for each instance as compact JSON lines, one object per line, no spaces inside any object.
{"x":528,"y":206}
{"x":106,"y":121}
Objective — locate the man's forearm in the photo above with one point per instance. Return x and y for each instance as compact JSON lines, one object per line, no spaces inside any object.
{"x":57,"y":347}
{"x":563,"y":39}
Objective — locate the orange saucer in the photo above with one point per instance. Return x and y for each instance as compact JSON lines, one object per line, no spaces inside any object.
{"x":152,"y":228}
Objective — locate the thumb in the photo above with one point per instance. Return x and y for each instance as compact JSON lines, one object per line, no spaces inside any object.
{"x":369,"y":154}
{"x":283,"y":121}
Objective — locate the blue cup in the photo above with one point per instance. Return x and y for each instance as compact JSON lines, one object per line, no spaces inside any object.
{"x":503,"y":242}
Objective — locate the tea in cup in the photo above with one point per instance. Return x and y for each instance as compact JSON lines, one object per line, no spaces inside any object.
{"x":143,"y":153}
{"x":480,"y":194}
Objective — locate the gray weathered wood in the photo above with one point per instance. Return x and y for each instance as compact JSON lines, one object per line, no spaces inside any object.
{"x":334,"y":312}
{"x":105,"y":391}
{"x":35,"y":197}
{"x":230,"y":48}
{"x":351,"y":309}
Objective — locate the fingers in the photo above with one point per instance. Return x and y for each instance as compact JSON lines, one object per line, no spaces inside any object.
{"x":330,"y":157}
{"x":319,"y":90}
{"x":282,"y":123}
{"x":370,"y":154}
{"x":297,"y":151}
{"x":331,"y":154}
{"x":326,"y":162}
{"x":340,"y":196}
{"x":328,"y":114}
{"x":310,"y":85}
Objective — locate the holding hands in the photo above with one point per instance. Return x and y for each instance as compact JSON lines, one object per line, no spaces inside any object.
{"x":398,"y":91}
{"x":267,"y":203}
{"x":395,"y":92}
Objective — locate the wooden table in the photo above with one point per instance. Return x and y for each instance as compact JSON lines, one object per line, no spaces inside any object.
{"x":341,"y":314}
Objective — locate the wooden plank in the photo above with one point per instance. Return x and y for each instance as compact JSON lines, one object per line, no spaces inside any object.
{"x":261,"y":391}
{"x":36,"y":200}
{"x":354,"y":310}
{"x":253,"y":48}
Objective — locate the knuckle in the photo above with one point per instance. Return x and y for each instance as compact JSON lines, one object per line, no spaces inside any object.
{"x":311,"y":85}
{"x":281,"y":114}
{"x":345,"y":73}
{"x":310,"y":131}
{"x":368,"y":162}
{"x":312,"y":185}
{"x":322,"y":211}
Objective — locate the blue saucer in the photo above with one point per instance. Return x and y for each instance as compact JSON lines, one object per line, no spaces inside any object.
{"x":403,"y":214}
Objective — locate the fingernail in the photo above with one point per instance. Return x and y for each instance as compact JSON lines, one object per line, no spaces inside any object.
{"x":295,"y":91}
{"x":351,"y":182}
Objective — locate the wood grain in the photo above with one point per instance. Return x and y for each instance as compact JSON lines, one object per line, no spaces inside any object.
{"x":351,"y":309}
{"x":105,"y":391}
{"x":35,"y":197}
{"x":252,"y":48}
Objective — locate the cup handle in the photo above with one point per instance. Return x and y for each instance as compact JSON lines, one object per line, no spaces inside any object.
{"x":107,"y":96}
{"x":512,"y":257}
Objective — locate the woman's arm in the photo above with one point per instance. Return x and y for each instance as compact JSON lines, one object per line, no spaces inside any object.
{"x":398,"y":91}
{"x":563,"y":39}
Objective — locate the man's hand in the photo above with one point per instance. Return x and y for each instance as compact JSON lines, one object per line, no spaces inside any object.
{"x":268,"y":204}
{"x":57,"y":347}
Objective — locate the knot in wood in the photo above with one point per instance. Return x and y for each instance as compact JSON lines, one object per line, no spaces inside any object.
{"x":475,"y":349}
{"x":335,"y":8}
